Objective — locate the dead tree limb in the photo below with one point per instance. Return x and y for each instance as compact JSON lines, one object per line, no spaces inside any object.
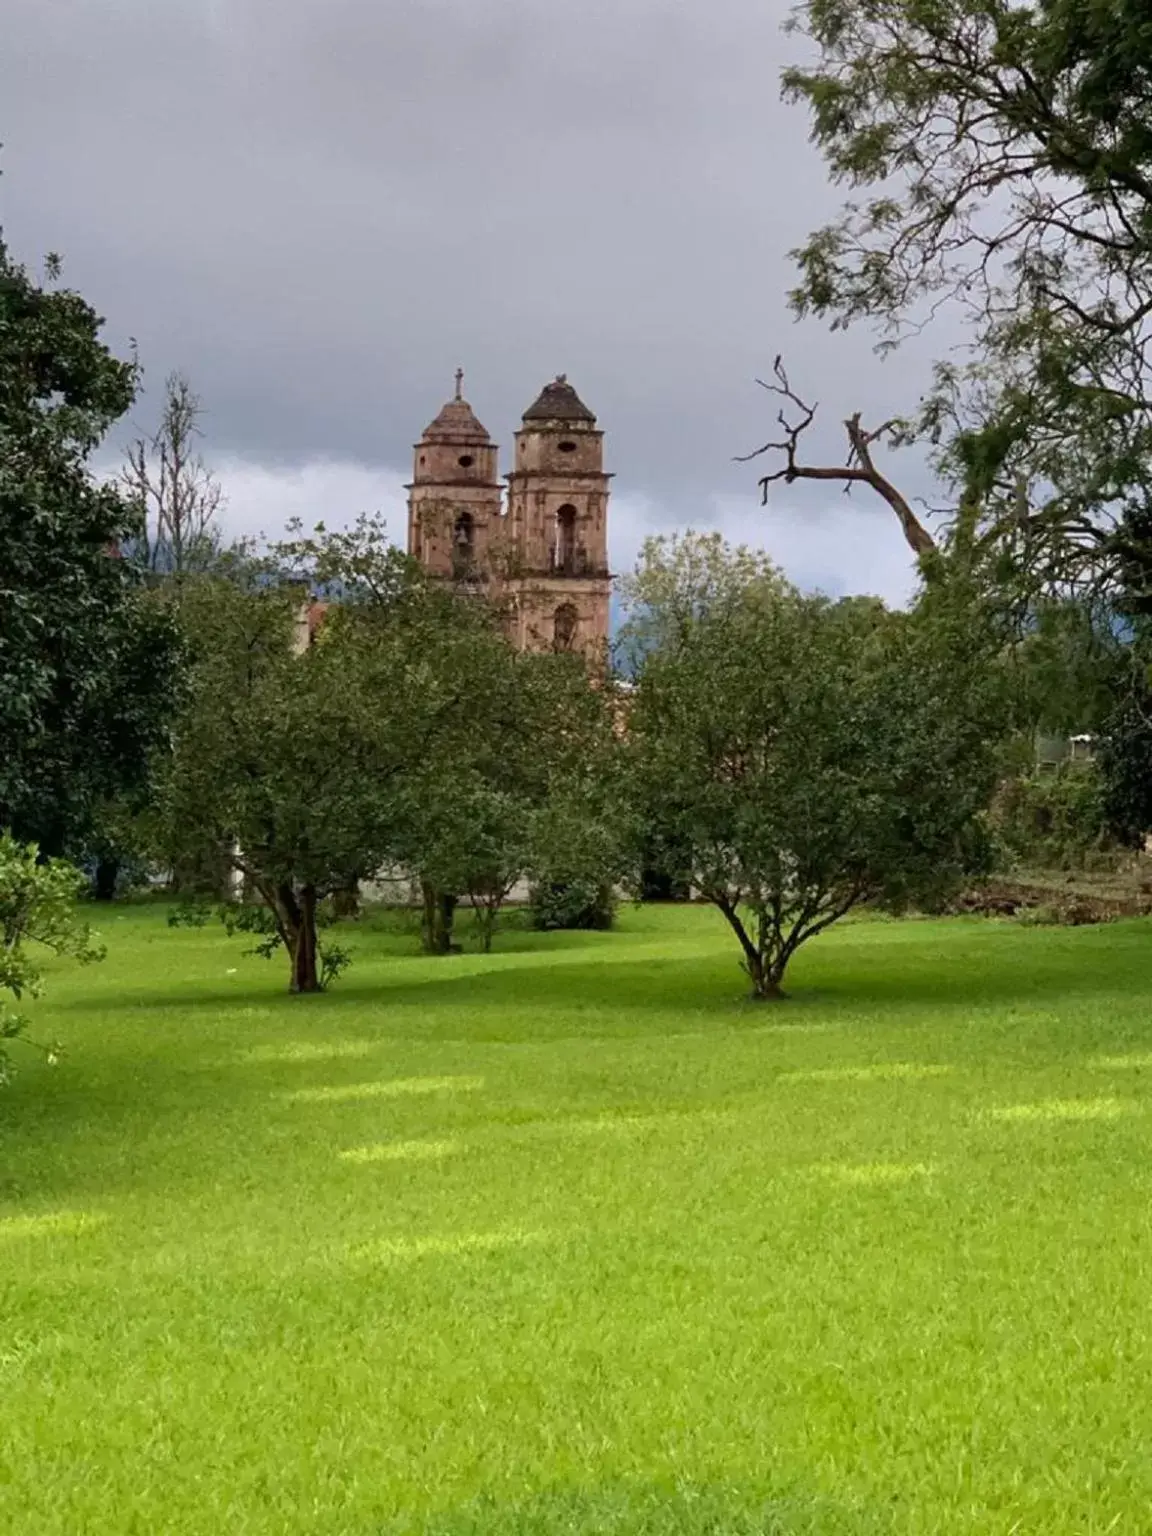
{"x":859,"y":470}
{"x":177,"y":495}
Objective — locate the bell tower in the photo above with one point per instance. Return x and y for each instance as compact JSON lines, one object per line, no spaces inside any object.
{"x":558,"y":526}
{"x":455,"y":498}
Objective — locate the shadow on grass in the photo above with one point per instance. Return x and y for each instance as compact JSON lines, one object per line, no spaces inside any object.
{"x":587,"y":985}
{"x":956,"y":968}
{"x":642,"y":1509}
{"x":68,"y":1130}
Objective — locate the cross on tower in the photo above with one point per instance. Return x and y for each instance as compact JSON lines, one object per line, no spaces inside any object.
{"x":459,"y":383}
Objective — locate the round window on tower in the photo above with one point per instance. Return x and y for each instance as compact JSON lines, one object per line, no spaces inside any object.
{"x":465,"y":461}
{"x":567,"y":447}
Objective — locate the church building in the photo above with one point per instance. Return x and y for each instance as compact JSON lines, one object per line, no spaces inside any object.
{"x":541,"y":546}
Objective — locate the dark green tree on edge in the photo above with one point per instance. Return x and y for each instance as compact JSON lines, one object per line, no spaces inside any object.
{"x":88,"y":661}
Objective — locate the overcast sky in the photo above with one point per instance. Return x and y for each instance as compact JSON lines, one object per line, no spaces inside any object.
{"x":318,"y":208}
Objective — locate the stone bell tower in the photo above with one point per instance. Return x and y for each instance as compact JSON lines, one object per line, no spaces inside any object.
{"x":557,"y":526}
{"x":455,"y":498}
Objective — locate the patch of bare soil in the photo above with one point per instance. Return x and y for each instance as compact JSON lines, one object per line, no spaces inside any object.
{"x":1060,"y":897}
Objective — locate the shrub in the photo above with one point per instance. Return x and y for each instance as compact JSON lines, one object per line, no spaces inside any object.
{"x":1056,"y":820}
{"x":573,"y":904}
{"x":37,"y":907}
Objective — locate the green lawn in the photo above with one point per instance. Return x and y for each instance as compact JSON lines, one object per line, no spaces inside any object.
{"x":574,"y":1240}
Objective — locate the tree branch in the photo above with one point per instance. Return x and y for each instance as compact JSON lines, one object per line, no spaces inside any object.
{"x":860,"y":468}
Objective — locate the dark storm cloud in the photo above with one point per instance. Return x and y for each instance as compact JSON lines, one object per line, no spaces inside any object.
{"x":318,"y":207}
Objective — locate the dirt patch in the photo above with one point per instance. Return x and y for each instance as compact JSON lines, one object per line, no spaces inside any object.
{"x":1069,"y":899}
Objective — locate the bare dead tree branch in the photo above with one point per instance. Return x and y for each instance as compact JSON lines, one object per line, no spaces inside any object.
{"x":178,"y":496}
{"x":860,"y":468}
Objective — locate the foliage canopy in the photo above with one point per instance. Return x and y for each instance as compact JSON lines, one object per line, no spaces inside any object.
{"x":799,"y":756}
{"x":1000,"y":159}
{"x":88,"y":665}
{"x":38,"y":900}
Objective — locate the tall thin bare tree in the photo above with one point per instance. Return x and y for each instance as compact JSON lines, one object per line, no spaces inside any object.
{"x":177,"y":495}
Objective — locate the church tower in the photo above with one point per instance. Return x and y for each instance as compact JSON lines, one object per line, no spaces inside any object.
{"x":557,"y":526}
{"x":455,"y":498}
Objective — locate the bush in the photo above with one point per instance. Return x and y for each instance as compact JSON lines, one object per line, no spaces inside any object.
{"x":1056,"y":820}
{"x":38,"y":907}
{"x":573,"y":904}
{"x":1071,"y":912}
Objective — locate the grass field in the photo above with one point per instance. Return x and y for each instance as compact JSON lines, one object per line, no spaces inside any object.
{"x":574,"y":1240}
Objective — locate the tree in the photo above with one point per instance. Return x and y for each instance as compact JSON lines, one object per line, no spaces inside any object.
{"x":282,"y":761}
{"x":1125,"y":735}
{"x":678,"y":581}
{"x":860,"y":469}
{"x":802,"y":756}
{"x":579,"y":852}
{"x":466,"y":837}
{"x":536,"y":731}
{"x":176,"y":496}
{"x":515,"y":732}
{"x":1125,"y":762}
{"x":1003,"y":151}
{"x":37,"y":907}
{"x":88,"y":666}
{"x":311,"y":755}
{"x":456,"y":647}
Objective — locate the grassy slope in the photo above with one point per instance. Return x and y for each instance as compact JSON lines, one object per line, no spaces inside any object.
{"x":613,"y":1252}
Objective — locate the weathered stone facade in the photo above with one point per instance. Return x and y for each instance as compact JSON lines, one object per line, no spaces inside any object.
{"x":541,"y":550}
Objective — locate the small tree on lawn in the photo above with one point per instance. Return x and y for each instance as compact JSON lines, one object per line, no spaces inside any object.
{"x":38,"y":908}
{"x":469,"y":839}
{"x":535,"y":727}
{"x":285,"y":760}
{"x":454,"y":805}
{"x":804,"y":756}
{"x":305,"y":767}
{"x":578,"y":850}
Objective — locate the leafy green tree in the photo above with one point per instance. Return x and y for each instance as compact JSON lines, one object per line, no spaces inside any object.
{"x":579,"y":855}
{"x":803,"y":756}
{"x":283,"y":761}
{"x":37,"y":908}
{"x":537,"y":730}
{"x":1055,"y":820}
{"x":453,"y":796}
{"x":467,"y":837}
{"x":517,"y":733}
{"x":999,"y":157}
{"x":88,"y":666}
{"x":311,"y":757}
{"x":1125,"y":763}
{"x":676,"y":583}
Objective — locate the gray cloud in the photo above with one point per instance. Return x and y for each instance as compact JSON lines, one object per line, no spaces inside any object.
{"x":317,"y":208}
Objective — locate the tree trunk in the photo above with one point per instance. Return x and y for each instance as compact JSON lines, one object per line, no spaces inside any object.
{"x":305,"y":970}
{"x":439,"y":915}
{"x":766,"y":975}
{"x":346,"y":899}
{"x":486,"y":920}
{"x":105,"y":878}
{"x":486,"y":907}
{"x":766,"y":986}
{"x":297,"y":918}
{"x":428,"y":920}
{"x":447,"y":920}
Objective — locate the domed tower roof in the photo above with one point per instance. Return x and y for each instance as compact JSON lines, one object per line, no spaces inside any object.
{"x":456,"y":422}
{"x":558,"y":401}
